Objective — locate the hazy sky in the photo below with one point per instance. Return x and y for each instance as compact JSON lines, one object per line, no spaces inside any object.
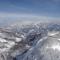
{"x":30,"y":8}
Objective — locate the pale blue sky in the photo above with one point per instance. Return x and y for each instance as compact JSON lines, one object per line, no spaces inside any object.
{"x":32,"y":9}
{"x":41,"y":7}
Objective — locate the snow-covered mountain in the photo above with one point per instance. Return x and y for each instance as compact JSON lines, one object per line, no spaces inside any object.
{"x":30,"y":42}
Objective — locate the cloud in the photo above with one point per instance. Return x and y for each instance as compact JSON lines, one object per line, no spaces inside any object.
{"x":26,"y":17}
